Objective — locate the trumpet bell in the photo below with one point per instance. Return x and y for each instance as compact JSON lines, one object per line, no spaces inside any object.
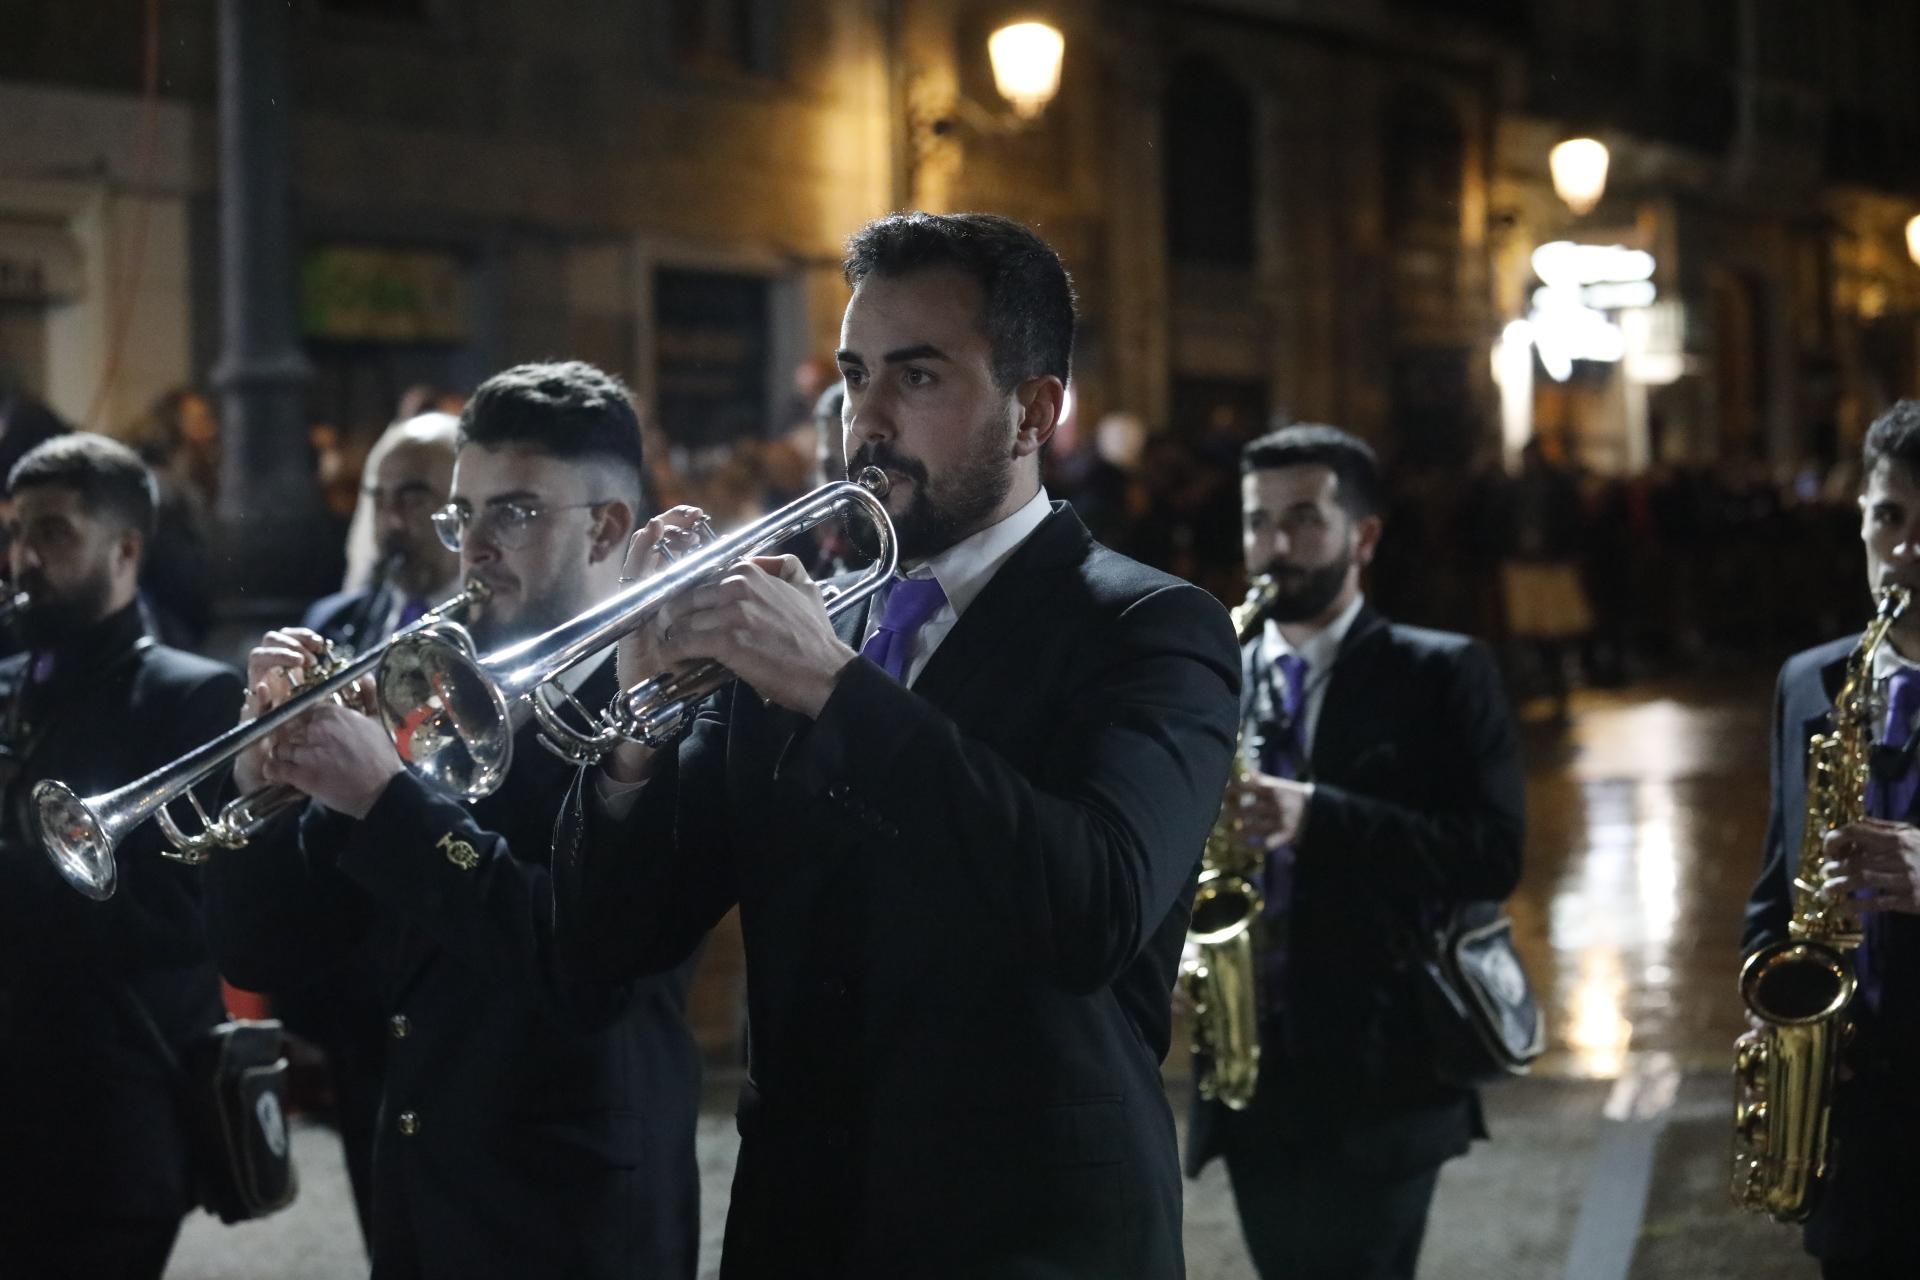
{"x":75,"y":839}
{"x":448,"y":720}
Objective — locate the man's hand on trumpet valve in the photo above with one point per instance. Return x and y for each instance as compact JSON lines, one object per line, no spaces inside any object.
{"x":275,"y":669}
{"x":1873,"y":865}
{"x":764,"y":622}
{"x":341,"y":758}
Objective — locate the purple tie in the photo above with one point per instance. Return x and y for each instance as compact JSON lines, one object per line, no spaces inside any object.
{"x":910,"y":602}
{"x":1282,"y":754}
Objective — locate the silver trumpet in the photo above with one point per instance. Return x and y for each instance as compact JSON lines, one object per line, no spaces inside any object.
{"x":449,"y":708}
{"x":80,"y":835}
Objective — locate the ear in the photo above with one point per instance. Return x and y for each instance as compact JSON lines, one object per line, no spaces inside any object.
{"x":127,"y":549}
{"x":1041,"y":402}
{"x":1366,"y":539}
{"x":612,"y":526}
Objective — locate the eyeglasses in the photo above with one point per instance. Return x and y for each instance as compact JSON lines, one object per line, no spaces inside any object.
{"x":506,"y":525}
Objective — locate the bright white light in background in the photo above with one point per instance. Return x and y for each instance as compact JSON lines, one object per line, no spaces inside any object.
{"x":1026,"y":60}
{"x":1579,"y":167}
{"x":1913,"y":239}
{"x":1564,"y":263}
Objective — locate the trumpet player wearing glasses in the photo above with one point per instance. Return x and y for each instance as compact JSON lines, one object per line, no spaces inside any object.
{"x":1838,"y":904}
{"x":94,"y":996}
{"x":961,"y":822}
{"x":534,"y":1121}
{"x":1382,"y":788}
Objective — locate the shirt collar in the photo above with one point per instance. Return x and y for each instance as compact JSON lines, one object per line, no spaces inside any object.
{"x":1886,"y":661}
{"x":1323,"y":646}
{"x":964,"y":569}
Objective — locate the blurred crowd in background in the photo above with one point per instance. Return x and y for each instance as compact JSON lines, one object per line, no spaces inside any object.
{"x":1576,"y":577}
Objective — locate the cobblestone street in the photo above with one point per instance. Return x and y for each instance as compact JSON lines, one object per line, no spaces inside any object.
{"x":1609,"y":1163}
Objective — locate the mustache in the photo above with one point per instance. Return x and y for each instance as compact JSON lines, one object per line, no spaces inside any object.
{"x":887,"y":458}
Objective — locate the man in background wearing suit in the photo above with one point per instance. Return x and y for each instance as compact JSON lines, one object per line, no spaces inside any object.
{"x":961,"y":822}
{"x":1388,"y":789}
{"x":96,"y":998}
{"x":409,"y":475}
{"x":533,"y":1122}
{"x":1860,"y":1228}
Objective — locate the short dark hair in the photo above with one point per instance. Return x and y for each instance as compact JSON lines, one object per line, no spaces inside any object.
{"x":109,"y":477}
{"x":1311,"y":444}
{"x":565,"y":409}
{"x":1893,"y":437}
{"x":1029,"y":314}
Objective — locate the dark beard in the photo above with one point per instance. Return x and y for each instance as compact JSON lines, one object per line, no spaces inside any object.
{"x":934,"y":521}
{"x":1305,"y":594}
{"x":491,"y":633}
{"x":51,"y":619}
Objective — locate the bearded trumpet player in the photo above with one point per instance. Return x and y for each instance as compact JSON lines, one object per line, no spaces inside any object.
{"x":533,"y":1121}
{"x":1858,"y":1132}
{"x":1384,"y":787}
{"x":93,"y":1149}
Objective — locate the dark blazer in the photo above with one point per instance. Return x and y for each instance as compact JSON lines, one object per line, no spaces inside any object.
{"x":1864,"y":1206}
{"x":356,"y":618}
{"x":1418,"y":804}
{"x":533,"y":1124}
{"x":963,"y":905}
{"x":88,"y":1110}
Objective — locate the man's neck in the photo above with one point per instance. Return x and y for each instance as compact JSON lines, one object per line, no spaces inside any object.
{"x":1024,"y":491}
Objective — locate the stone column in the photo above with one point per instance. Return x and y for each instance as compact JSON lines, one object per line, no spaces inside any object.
{"x":269,"y":510}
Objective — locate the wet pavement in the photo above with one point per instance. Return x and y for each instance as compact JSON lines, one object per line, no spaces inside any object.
{"x":1645,"y":817}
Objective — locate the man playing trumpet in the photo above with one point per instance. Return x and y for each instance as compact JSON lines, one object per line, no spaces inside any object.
{"x":533,"y":1122}
{"x":961,"y":823}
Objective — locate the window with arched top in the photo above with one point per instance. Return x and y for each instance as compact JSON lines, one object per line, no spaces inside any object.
{"x":1208,"y":133}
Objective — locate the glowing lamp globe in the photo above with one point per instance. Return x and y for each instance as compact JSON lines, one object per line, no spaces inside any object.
{"x":1026,"y":65}
{"x":1579,"y":168}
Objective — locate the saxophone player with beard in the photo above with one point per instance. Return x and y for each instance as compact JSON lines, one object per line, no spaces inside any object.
{"x":1860,"y":1208}
{"x":1386,"y":788}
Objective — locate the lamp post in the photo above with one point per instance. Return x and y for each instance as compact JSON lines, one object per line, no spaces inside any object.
{"x":1579,"y":167}
{"x":1913,"y":239}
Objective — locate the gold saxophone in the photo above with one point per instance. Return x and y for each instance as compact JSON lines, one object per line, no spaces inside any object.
{"x":1219,"y":979}
{"x":1798,"y":990}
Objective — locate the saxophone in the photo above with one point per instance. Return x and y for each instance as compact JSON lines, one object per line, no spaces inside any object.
{"x":1218,"y":979}
{"x":1798,"y":990}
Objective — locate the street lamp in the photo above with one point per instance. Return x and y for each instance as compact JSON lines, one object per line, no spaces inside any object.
{"x":1913,"y":239}
{"x":1026,"y":60}
{"x":1579,"y":168}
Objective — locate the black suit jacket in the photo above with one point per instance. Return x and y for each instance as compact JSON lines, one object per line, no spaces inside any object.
{"x":1418,"y":804}
{"x":963,"y":905}
{"x":532,"y":1123}
{"x":356,"y":618}
{"x":88,"y":1104}
{"x":1863,"y":1208}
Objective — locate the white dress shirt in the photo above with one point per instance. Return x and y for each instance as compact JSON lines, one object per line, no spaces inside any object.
{"x":963,"y":571}
{"x":1320,"y":650}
